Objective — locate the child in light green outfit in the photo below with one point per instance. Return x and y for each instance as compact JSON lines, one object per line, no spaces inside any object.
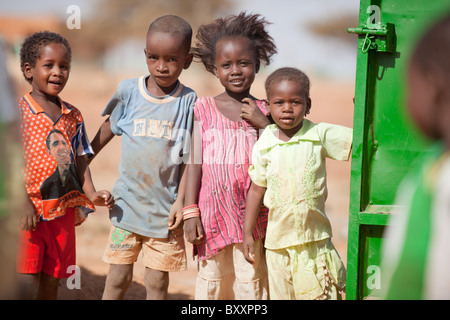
{"x":288,"y":173}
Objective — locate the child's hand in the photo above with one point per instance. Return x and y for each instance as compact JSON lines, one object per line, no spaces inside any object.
{"x":252,"y":113}
{"x":103,"y":198}
{"x":249,"y":249}
{"x":193,"y":230}
{"x":29,"y":220}
{"x":175,"y":214}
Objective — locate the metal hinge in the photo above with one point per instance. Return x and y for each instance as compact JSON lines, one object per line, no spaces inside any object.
{"x":378,"y":37}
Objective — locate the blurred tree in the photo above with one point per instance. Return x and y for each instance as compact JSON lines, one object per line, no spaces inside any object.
{"x":116,"y":20}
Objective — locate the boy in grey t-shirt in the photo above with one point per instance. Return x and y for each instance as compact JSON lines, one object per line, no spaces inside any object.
{"x":154,"y":114}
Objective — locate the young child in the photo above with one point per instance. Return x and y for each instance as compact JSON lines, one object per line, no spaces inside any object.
{"x":289,"y":162}
{"x":55,"y":145}
{"x":416,"y":250}
{"x":232,"y":49}
{"x":154,"y":114}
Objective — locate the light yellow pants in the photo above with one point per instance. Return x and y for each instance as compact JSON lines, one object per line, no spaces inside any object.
{"x":306,"y":272}
{"x":228,"y":276}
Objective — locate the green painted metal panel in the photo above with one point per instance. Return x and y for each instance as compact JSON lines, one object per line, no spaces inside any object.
{"x":370,"y":270}
{"x":384,"y":142}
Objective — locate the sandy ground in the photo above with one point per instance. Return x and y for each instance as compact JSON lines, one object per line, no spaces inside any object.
{"x":90,"y":89}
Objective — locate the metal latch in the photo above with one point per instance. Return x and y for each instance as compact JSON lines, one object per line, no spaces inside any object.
{"x":379,"y":37}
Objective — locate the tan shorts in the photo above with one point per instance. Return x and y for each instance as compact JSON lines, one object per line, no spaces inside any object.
{"x":228,"y":276}
{"x":157,"y":253}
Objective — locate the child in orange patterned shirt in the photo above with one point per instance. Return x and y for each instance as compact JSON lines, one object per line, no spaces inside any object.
{"x":57,"y":178}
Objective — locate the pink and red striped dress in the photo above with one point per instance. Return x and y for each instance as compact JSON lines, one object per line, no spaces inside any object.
{"x":226,"y":156}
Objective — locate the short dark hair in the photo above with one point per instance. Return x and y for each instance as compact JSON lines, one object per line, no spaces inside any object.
{"x":31,"y":47}
{"x":291,"y":74}
{"x":251,"y":26}
{"x":173,"y":24}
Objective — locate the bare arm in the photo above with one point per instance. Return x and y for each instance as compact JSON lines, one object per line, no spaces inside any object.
{"x":253,"y":202}
{"x":28,"y":221}
{"x":101,"y":139}
{"x":193,"y":227}
{"x":176,"y":215}
{"x":98,"y":198}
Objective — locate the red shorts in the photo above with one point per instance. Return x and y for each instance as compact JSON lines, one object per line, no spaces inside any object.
{"x":50,"y":248}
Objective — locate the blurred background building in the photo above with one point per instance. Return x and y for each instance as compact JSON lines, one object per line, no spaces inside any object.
{"x":309,"y":34}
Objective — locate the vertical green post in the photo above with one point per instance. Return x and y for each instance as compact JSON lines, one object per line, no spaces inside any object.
{"x":359,"y":137}
{"x":385,"y":143}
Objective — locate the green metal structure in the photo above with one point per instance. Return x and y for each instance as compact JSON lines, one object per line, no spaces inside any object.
{"x":384,"y":141}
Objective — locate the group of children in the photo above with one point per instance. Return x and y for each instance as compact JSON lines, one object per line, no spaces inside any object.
{"x":240,"y":178}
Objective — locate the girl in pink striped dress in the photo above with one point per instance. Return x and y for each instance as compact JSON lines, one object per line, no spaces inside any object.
{"x":226,"y":128}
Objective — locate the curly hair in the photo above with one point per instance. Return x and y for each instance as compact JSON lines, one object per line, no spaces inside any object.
{"x":31,"y":48}
{"x":251,"y":26}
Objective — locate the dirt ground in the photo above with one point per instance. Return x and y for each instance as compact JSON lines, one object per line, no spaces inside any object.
{"x":89,"y":89}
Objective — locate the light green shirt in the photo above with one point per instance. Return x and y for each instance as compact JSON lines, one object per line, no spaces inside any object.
{"x":415,"y":247}
{"x":294,"y":174}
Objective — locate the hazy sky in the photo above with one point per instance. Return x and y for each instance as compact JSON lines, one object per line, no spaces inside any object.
{"x":296,"y":45}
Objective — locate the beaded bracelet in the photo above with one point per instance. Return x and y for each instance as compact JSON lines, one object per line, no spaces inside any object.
{"x":191,"y":212}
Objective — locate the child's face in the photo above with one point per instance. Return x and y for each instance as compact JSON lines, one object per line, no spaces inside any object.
{"x":166,"y":58}
{"x":420,"y":101}
{"x":288,"y":105}
{"x":51,"y":72}
{"x":235,"y":64}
